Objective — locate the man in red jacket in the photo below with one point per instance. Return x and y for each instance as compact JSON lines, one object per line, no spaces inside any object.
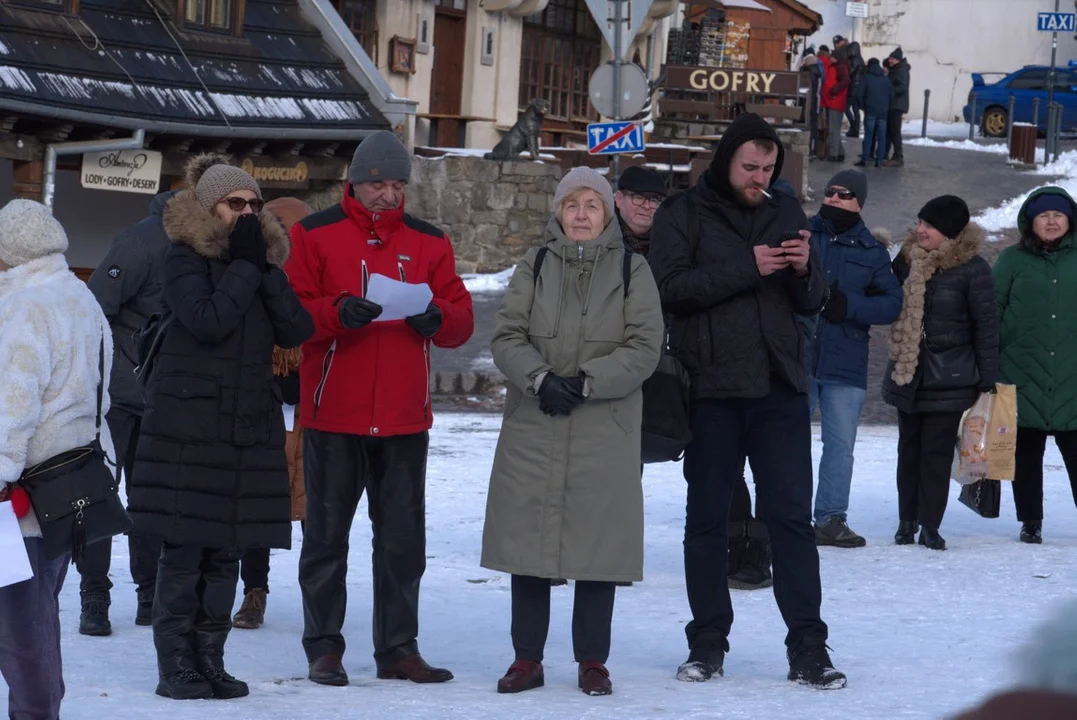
{"x":834,"y":100}
{"x":365,"y":405}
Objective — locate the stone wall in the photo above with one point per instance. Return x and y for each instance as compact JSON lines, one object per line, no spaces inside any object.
{"x":493,"y":211}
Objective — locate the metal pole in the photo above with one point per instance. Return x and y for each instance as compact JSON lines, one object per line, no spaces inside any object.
{"x":618,"y":38}
{"x":972,"y":118}
{"x":1036,"y":113}
{"x":1051,"y":72}
{"x":1058,"y":132}
{"x":1009,"y":122}
{"x":1048,"y":133}
{"x":927,"y":100}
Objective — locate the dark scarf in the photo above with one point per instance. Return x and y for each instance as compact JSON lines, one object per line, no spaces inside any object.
{"x":839,"y":219}
{"x":639,"y":244}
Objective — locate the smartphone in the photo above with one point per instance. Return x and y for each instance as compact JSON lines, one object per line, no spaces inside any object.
{"x":787,"y":235}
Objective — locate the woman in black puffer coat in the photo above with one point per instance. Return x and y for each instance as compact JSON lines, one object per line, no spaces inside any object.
{"x":943,"y":354}
{"x":211,"y":477}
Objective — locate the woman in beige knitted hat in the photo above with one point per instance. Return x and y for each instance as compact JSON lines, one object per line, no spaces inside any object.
{"x":211,"y":476}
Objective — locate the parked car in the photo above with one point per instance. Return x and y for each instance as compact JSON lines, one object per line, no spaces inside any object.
{"x":1026,"y":84}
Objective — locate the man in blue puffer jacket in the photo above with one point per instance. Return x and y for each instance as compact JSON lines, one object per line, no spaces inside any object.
{"x":863,"y":292}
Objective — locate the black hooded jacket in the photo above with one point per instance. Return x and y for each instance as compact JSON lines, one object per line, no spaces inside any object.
{"x":735,"y":330}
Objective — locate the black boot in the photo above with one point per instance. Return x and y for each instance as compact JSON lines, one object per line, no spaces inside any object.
{"x":1030,"y":533}
{"x":930,"y":538}
{"x":705,"y":660}
{"x":220,"y":577}
{"x":94,"y":618}
{"x":738,"y":548}
{"x":186,"y":684}
{"x":754,"y":573}
{"x":906,"y":532}
{"x":811,"y":666}
{"x":144,"y":613}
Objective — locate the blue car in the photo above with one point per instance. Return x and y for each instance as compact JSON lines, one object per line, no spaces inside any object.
{"x":1026,"y":84}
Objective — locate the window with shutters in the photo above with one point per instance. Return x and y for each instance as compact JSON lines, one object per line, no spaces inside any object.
{"x":359,"y":15}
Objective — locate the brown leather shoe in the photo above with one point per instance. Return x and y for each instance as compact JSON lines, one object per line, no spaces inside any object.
{"x":595,"y":678}
{"x":327,"y":670}
{"x":414,"y":668}
{"x":252,"y":613}
{"x":521,"y":675}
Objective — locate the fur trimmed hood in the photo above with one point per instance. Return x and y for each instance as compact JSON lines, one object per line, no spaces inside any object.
{"x":188,"y":223}
{"x":905,"y":333}
{"x":883,"y":237}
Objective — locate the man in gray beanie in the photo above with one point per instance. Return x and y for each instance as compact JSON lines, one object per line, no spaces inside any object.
{"x":365,"y":407}
{"x":863,"y":292}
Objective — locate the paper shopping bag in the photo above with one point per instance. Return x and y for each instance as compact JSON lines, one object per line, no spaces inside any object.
{"x":1002,"y":433}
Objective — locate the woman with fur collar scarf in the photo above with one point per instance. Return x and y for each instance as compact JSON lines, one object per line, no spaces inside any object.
{"x":211,"y":475}
{"x":943,"y":354}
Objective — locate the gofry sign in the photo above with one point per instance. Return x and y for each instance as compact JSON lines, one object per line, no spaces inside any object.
{"x":736,"y":80}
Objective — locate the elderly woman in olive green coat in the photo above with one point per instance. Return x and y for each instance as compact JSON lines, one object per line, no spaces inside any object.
{"x":578,"y":332}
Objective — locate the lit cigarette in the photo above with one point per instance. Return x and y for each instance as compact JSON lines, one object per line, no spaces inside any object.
{"x":765,"y":193}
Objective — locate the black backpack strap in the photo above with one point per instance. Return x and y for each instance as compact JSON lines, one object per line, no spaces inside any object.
{"x":626,"y":270}
{"x":540,"y":256}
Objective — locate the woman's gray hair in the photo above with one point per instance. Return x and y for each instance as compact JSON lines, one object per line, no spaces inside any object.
{"x":1048,"y":661}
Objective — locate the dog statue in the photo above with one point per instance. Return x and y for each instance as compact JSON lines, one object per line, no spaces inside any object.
{"x":524,"y":135}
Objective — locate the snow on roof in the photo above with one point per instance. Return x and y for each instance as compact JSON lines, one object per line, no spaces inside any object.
{"x":746,"y":4}
{"x":4,"y":49}
{"x":246,"y":106}
{"x":16,"y":79}
{"x":334,"y":109}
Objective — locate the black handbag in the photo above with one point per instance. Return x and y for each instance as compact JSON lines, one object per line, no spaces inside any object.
{"x":75,"y":496}
{"x":983,"y":497}
{"x":667,"y":427}
{"x":950,"y":369}
{"x":148,"y":341}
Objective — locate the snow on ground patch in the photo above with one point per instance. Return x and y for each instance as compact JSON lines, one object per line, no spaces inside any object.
{"x":1004,"y":216}
{"x":935,"y":128}
{"x":966,"y":144}
{"x":921,"y":634}
{"x":488,"y":282}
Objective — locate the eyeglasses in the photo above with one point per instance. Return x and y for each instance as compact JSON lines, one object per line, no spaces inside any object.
{"x":236,"y":204}
{"x":640,"y":200}
{"x":842,"y":194}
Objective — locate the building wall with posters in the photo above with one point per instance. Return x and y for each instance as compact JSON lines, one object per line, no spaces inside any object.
{"x":945,"y":41}
{"x":478,"y":63}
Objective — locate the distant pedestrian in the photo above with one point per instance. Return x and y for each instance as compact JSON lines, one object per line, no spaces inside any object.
{"x":898,"y":74}
{"x":876,"y":95}
{"x":835,"y":99}
{"x":856,"y":76}
{"x":943,"y":354}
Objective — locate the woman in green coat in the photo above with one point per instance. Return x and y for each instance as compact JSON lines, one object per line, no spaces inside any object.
{"x":578,"y":332}
{"x":1036,"y":288}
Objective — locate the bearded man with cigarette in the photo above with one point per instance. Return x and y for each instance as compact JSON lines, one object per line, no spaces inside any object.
{"x":734,"y":268}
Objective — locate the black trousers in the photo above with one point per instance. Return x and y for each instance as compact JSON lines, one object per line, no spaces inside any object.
{"x":144,"y":552}
{"x":925,"y":457}
{"x":852,"y":112}
{"x":592,"y":618}
{"x":725,"y":431}
{"x":1028,"y":471}
{"x":392,"y":471}
{"x":192,"y":608}
{"x":893,"y":135}
{"x":254,"y":569}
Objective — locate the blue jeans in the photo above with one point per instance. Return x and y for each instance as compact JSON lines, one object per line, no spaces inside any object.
{"x":874,"y":125}
{"x":839,"y":407}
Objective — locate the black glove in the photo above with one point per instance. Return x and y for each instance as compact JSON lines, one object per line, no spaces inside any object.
{"x":559,"y":395}
{"x":428,"y":323}
{"x":837,"y":307}
{"x":289,"y":388}
{"x":357,"y":312}
{"x":246,"y":242}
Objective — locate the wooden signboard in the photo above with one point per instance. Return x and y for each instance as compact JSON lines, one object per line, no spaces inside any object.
{"x":732,"y":80}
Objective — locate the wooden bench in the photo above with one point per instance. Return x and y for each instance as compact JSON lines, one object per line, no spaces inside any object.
{"x":774,"y":111}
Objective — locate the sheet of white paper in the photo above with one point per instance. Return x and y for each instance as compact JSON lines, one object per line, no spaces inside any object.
{"x":15,"y":566}
{"x":289,"y":417}
{"x":398,"y":300}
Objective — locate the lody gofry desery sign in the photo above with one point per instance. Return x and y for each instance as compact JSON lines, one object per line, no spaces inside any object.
{"x":136,"y":171}
{"x":733,"y":80}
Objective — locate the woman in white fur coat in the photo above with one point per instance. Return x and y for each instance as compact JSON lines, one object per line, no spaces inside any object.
{"x":51,"y":330}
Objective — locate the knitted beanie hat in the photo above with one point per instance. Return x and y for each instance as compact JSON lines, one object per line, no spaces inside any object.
{"x":852,"y":180}
{"x":380,"y":157}
{"x":220,"y":180}
{"x":28,"y":231}
{"x":947,"y":213}
{"x":585,"y":177}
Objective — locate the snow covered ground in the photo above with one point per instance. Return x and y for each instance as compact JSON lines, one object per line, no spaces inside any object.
{"x":921,"y":634}
{"x":1004,"y":216}
{"x":965,"y":144}
{"x":488,"y":282}
{"x":935,"y":129}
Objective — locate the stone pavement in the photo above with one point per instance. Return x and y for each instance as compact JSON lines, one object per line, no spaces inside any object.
{"x":895,"y":196}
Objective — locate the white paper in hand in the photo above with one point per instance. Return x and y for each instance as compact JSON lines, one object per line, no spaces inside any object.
{"x":289,"y":417}
{"x":15,"y":566}
{"x":398,"y":300}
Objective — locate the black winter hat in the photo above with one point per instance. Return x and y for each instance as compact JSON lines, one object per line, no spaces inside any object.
{"x":947,"y":213}
{"x":642,"y":180}
{"x":898,"y":55}
{"x":747,"y":127}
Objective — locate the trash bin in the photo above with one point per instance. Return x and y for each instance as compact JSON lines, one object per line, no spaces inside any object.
{"x":1023,"y":143}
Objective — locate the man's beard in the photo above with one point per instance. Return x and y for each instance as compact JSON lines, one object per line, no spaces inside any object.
{"x":747,"y":200}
